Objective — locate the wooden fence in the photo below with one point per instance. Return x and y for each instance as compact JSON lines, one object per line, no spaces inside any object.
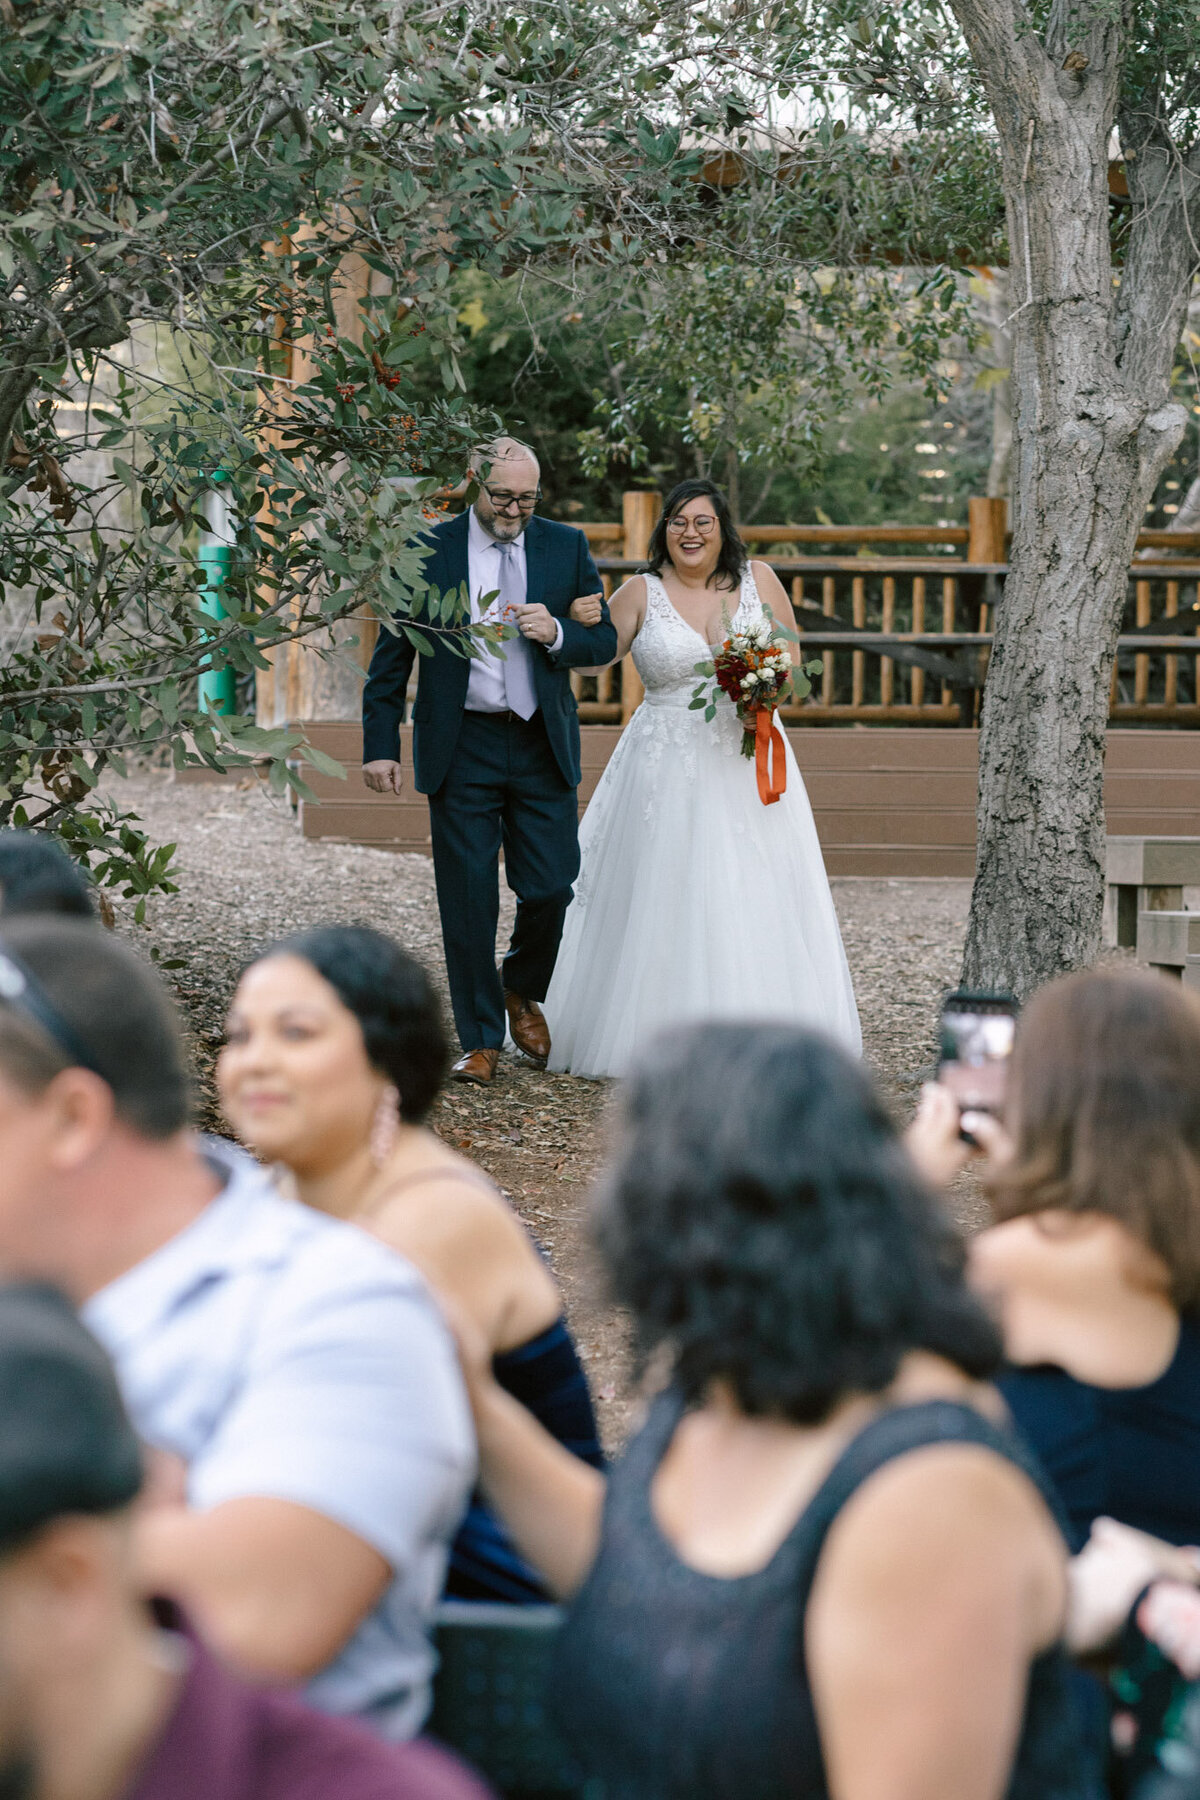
{"x":904,"y":639}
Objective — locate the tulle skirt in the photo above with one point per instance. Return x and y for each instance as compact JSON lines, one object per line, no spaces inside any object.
{"x":695,"y":901}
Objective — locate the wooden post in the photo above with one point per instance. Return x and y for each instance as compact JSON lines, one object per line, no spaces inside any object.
{"x":300,"y":683}
{"x":917,"y":692}
{"x":886,"y":666}
{"x":640,"y":509}
{"x":858,"y":660}
{"x":1171,"y":683}
{"x":987,"y":529}
{"x":1141,"y":664}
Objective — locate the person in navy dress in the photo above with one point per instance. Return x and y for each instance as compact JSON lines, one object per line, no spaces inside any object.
{"x":496,"y":748}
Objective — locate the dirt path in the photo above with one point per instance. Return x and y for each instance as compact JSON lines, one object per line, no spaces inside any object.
{"x":246,"y":876}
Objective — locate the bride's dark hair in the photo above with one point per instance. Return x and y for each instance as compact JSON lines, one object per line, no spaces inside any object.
{"x":732,"y":560}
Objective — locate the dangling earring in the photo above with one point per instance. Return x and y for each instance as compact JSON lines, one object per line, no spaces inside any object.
{"x":385,"y":1126}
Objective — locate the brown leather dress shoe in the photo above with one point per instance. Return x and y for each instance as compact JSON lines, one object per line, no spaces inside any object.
{"x":530,"y":1031}
{"x":478,"y":1066}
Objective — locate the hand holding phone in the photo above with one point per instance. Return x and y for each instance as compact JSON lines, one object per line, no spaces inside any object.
{"x":977,"y":1032}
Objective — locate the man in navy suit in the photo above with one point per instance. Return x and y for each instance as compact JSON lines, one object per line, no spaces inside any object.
{"x":496,"y":749}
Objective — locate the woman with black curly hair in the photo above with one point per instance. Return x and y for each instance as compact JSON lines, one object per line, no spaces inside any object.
{"x":823,"y":1565}
{"x":334,"y":1055}
{"x":695,"y":900}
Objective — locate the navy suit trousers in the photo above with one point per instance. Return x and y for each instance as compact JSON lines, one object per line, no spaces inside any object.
{"x":504,"y":791}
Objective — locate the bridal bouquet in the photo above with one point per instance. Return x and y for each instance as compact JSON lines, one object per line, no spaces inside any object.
{"x":753,"y":668}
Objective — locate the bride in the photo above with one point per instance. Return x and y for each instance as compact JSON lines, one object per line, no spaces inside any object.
{"x":694,"y":901}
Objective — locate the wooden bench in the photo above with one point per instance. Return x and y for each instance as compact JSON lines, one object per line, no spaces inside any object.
{"x":1170,"y":943}
{"x":1146,"y":874}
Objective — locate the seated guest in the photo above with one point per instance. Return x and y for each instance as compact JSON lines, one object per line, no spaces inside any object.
{"x":823,"y":1566}
{"x":97,"y":1700}
{"x":299,"y":1370}
{"x":1094,"y":1262}
{"x":37,"y":876}
{"x":335,"y":1054}
{"x":1135,"y":1598}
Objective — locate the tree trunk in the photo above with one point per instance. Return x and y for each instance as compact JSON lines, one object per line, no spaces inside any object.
{"x":995,"y":309}
{"x":1092,"y":431}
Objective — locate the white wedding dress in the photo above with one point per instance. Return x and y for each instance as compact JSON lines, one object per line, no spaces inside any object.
{"x":694,"y":900}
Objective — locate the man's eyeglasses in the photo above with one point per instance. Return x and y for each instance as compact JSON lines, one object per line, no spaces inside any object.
{"x":505,"y":502}
{"x":20,"y":989}
{"x":704,"y":525}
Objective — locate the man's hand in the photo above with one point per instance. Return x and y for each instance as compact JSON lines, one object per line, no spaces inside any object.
{"x":587,"y":610}
{"x":536,"y":623}
{"x":383,"y":776}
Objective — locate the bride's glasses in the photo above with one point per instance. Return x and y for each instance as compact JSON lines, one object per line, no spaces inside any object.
{"x":704,"y":525}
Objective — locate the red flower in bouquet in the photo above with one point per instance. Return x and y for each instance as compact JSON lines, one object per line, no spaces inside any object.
{"x":753,"y":668}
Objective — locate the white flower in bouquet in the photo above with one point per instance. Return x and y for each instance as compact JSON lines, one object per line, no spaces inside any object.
{"x":752,"y":679}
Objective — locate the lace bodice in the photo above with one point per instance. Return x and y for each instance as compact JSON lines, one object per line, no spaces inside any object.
{"x":667,"y":649}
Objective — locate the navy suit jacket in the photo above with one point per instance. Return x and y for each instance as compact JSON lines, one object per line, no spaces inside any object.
{"x":559,"y":569}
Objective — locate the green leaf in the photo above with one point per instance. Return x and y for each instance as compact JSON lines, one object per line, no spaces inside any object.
{"x":323,"y":762}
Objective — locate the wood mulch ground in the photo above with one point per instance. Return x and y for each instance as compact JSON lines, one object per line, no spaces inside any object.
{"x":246,"y":877}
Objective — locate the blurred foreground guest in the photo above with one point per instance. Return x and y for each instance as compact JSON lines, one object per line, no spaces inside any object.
{"x":37,"y":876}
{"x":298,"y":1372}
{"x":335,"y":1054}
{"x":823,"y":1566}
{"x":1137,"y":1596}
{"x":97,"y":1700}
{"x":1094,"y":1263}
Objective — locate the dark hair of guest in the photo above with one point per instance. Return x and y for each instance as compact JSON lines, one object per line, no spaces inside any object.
{"x":763,"y":1224}
{"x":37,"y":876}
{"x":1104,"y":1111}
{"x":732,"y":560}
{"x":117,"y":1010}
{"x":392,"y":998}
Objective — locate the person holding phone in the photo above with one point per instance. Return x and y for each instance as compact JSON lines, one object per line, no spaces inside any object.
{"x":977,"y":1032}
{"x":1092,"y":1261}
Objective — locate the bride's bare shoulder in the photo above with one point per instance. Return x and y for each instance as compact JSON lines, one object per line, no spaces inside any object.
{"x":631,"y":595}
{"x":765,"y":578}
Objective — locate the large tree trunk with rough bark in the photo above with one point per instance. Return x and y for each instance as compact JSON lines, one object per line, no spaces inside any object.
{"x":1092,"y":430}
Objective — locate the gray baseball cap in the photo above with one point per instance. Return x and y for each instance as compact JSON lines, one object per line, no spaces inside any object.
{"x":66,"y":1444}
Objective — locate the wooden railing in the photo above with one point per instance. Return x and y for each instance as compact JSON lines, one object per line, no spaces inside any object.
{"x":905,"y":640}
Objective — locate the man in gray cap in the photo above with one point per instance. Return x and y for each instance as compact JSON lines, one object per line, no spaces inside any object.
{"x":99,"y":1698}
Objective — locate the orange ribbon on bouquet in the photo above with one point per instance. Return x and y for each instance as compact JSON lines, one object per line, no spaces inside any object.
{"x":770,"y":759}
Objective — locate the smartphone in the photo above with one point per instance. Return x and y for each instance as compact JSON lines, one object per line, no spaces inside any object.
{"x":977,"y":1031}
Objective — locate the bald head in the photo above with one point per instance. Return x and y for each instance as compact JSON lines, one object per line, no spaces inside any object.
{"x":500,"y":456}
{"x":508,"y":471}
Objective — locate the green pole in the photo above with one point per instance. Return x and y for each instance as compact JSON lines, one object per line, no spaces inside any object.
{"x":218,"y":687}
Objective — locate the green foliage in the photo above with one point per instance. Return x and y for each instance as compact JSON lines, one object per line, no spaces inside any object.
{"x":197,"y":172}
{"x":741,"y":223}
{"x":768,"y":359}
{"x":540,"y":359}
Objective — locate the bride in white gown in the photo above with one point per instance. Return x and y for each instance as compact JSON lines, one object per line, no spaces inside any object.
{"x":694,"y":900}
